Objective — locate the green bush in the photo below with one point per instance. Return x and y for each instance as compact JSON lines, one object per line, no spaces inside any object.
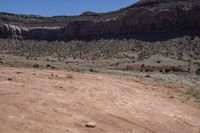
{"x":194,"y":92}
{"x":148,"y":76}
{"x":36,"y":66}
{"x":92,"y":70}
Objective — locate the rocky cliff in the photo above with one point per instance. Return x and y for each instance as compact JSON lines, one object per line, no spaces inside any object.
{"x":145,"y":17}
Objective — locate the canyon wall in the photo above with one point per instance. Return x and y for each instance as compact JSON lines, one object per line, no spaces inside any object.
{"x":137,"y":20}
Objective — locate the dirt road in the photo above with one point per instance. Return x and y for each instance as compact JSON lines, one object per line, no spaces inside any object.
{"x":44,"y":101}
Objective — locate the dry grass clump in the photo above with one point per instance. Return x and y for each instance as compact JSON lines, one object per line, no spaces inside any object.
{"x":69,"y":76}
{"x":193,"y":92}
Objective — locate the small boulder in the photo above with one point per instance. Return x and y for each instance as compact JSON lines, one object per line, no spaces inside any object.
{"x":91,"y":124}
{"x":9,"y":79}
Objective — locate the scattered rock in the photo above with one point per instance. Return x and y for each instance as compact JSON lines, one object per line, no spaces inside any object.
{"x":34,"y":74}
{"x":91,"y":124}
{"x":9,"y":79}
{"x":19,"y":72}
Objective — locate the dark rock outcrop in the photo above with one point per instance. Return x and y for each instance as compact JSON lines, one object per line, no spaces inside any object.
{"x":45,"y":33}
{"x":141,"y":18}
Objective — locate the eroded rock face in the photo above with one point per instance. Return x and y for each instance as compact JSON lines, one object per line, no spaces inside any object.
{"x":45,"y":33}
{"x":137,"y":20}
{"x":38,"y":33}
{"x":9,"y":31}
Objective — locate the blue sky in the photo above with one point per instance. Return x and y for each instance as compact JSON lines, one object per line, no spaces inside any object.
{"x":61,"y":7}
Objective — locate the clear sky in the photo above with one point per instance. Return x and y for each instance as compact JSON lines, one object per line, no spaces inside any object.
{"x":61,"y":7}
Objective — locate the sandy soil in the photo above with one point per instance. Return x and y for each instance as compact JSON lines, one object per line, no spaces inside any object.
{"x":44,"y":101}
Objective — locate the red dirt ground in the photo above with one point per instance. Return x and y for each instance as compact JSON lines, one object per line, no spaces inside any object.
{"x":43,"y":101}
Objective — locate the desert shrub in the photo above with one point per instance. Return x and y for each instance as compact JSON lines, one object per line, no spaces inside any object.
{"x":92,"y":70}
{"x":197,"y":71}
{"x":127,"y":67}
{"x":197,"y":63}
{"x":52,"y":67}
{"x":148,"y":70}
{"x":158,"y":62}
{"x":117,"y":64}
{"x":167,"y":70}
{"x":36,"y":66}
{"x":48,"y":65}
{"x":148,"y":76}
{"x":69,"y":76}
{"x":194,"y":92}
{"x":142,"y":66}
